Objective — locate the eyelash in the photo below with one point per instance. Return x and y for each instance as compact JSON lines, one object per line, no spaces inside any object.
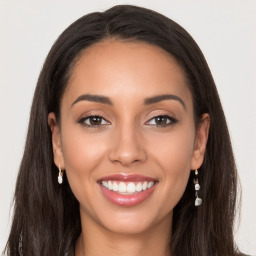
{"x":82,"y":121}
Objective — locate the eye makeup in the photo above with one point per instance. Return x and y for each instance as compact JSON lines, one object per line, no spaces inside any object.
{"x":97,"y":121}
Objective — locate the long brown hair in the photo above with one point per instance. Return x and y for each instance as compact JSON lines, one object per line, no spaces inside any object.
{"x":46,"y":216}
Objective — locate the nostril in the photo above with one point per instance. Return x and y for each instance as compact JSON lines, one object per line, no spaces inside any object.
{"x":127,"y":147}
{"x":127,"y":158}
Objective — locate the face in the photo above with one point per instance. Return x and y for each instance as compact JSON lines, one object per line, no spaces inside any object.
{"x":127,"y":138}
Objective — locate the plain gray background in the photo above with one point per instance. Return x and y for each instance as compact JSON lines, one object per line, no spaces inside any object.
{"x":225,"y":31}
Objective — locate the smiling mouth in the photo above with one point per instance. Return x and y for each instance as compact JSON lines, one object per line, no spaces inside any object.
{"x":127,"y":190}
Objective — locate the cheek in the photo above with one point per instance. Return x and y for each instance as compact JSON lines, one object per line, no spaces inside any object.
{"x":79,"y":151}
{"x":173,"y":154}
{"x":174,"y":150}
{"x":83,"y":153}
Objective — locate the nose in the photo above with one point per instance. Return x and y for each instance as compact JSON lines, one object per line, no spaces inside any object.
{"x":127,"y":146}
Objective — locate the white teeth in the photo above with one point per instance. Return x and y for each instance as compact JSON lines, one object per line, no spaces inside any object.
{"x":139,"y":187}
{"x":122,"y":187}
{"x":127,"y":188}
{"x":131,"y":187}
{"x":150,"y":184}
{"x":115,"y":186}
{"x":145,"y":185}
{"x":105,"y":184}
{"x":110,"y":186}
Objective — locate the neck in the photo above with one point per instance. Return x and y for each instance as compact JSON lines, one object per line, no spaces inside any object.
{"x":97,"y":241}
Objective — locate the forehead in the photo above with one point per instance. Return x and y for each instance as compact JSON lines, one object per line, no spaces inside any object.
{"x":130,"y":69}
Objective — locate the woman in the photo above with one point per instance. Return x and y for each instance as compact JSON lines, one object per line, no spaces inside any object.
{"x":128,"y":150}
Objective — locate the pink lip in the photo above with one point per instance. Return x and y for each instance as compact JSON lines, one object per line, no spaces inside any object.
{"x":127,"y":200}
{"x":125,"y":177}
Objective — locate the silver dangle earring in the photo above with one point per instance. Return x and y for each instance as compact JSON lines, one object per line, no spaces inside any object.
{"x":60,"y":177}
{"x":198,"y":200}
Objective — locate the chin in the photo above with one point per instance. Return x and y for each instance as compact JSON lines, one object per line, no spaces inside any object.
{"x":129,"y":225}
{"x":132,"y":220}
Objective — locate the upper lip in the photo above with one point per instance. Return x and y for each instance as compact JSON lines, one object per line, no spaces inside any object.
{"x":127,"y":177}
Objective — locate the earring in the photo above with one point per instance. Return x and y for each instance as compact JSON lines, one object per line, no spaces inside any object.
{"x":60,"y":177}
{"x":198,"y":200}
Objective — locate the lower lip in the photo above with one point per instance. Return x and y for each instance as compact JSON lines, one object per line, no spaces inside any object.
{"x":127,"y":200}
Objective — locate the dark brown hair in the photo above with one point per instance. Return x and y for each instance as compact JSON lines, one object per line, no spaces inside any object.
{"x":46,"y":216}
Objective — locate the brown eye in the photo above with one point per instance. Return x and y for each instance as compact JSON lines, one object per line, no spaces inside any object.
{"x":162,"y":121}
{"x":93,"y":121}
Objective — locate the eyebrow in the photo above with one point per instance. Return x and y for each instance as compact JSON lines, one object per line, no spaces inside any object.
{"x":159,"y":98}
{"x":94,"y":98}
{"x":147,"y":101}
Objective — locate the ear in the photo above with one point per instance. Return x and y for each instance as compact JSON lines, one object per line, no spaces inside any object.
{"x":200,"y":142}
{"x":56,"y":141}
